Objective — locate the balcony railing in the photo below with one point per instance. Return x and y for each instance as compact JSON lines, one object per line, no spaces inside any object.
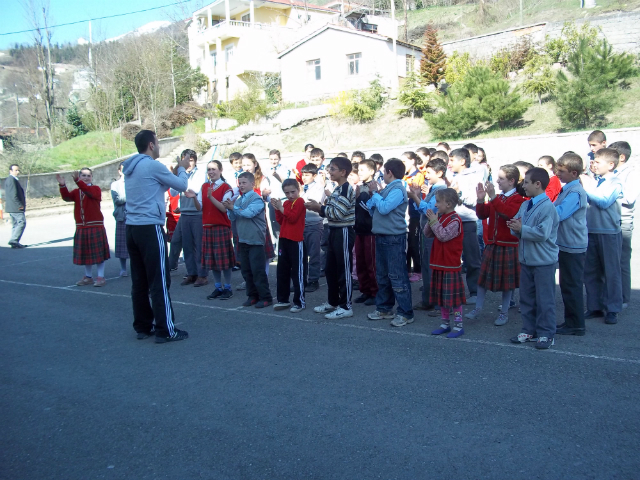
{"x":236,"y":23}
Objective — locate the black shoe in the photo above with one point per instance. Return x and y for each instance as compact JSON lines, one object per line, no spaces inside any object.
{"x":362,"y":298}
{"x":177,"y":335}
{"x":322,"y":274}
{"x":143,"y":335}
{"x":370,"y":301}
{"x":611,"y":318}
{"x":311,"y":287}
{"x":189,"y":279}
{"x":579,"y":332}
{"x":562,"y":325}
{"x":226,"y":295}
{"x":250,"y":302}
{"x":17,"y":245}
{"x":355,"y":285}
{"x":589,"y":314}
{"x":215,"y":294}
{"x":422,"y":306}
{"x":263,"y":303}
{"x":173,"y":269}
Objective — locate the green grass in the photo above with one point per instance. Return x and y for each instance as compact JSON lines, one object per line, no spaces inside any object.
{"x":180,"y":131}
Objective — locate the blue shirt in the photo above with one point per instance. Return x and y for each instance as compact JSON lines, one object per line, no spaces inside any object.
{"x":429,"y":202}
{"x":605,"y":194}
{"x":570,"y":204}
{"x":386,"y":205}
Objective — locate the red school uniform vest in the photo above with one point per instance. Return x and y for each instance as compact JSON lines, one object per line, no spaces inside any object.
{"x":210,"y":214}
{"x":446,"y":255}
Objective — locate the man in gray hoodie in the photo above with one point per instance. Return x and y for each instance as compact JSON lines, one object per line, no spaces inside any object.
{"x":146,"y":183}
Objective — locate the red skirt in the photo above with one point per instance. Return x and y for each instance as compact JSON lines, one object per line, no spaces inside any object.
{"x":447,"y":289}
{"x":217,"y":248}
{"x":90,"y":246}
{"x":500,"y":270}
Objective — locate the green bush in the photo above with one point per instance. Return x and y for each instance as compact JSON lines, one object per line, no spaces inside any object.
{"x":559,"y":49}
{"x":540,"y":78}
{"x":457,"y":67}
{"x":455,"y":117}
{"x":246,"y":107}
{"x":414,"y":99}
{"x":360,"y":105}
{"x":513,"y":58}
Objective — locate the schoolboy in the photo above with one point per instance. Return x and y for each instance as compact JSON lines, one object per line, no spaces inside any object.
{"x":358,"y":156}
{"x":475,"y":163}
{"x":536,"y":225}
{"x":235,"y":159}
{"x":307,"y":155}
{"x":629,"y":175}
{"x":340,"y":214}
{"x":465,"y":180}
{"x":365,"y":246}
{"x":313,"y":225}
{"x":602,"y":274}
{"x":292,"y":257}
{"x":425,"y":155}
{"x":597,"y":140}
{"x":444,"y":146}
{"x":549,"y":164}
{"x":572,"y":241}
{"x":248,"y":212}
{"x":434,"y":174}
{"x":316,"y":157}
{"x":388,"y":209}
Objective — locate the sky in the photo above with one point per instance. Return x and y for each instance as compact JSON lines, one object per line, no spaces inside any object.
{"x":13,"y":18}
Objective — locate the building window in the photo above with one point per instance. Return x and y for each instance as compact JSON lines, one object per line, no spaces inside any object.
{"x":246,"y":17}
{"x":313,"y":70}
{"x":410,"y":60}
{"x":353,"y":63}
{"x":214,"y":59}
{"x":228,"y":53}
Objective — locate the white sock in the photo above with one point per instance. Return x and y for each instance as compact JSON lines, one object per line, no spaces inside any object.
{"x":87,"y":271}
{"x":100,"y":269}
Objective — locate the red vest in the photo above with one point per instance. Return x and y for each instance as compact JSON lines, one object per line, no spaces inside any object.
{"x":446,"y":255}
{"x":210,"y":214}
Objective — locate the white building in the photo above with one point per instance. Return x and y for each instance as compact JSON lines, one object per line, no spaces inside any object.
{"x":335,"y":59}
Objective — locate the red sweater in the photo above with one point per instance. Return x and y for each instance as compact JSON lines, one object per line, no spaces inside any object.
{"x":494,"y":217}
{"x":446,"y":255}
{"x":210,"y":213}
{"x":553,"y":189}
{"x":299,"y":166}
{"x":292,"y":220}
{"x":87,"y":200}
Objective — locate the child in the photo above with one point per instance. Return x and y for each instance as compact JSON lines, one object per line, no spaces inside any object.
{"x":523,"y":168}
{"x":379,"y":175}
{"x":292,"y":256}
{"x":475,"y":161}
{"x":90,"y":245}
{"x":597,"y":141}
{"x":365,"y":246}
{"x":434,"y":174}
{"x":298,"y":168}
{"x":500,"y":270}
{"x":536,"y":225}
{"x":217,"y":248}
{"x":235,"y":159}
{"x":354,"y":180}
{"x":173,"y":217}
{"x":549,"y":164}
{"x":317,"y":158}
{"x":340,"y":213}
{"x":120,"y":214}
{"x":278,"y":174}
{"x":630,"y":178}
{"x":357,"y":157}
{"x":248,"y":211}
{"x":602,"y":274}
{"x":388,"y":209}
{"x":444,"y":146}
{"x":313,"y":225}
{"x":424,"y":154}
{"x":447,"y":288}
{"x":572,"y":241}
{"x":413,"y":177}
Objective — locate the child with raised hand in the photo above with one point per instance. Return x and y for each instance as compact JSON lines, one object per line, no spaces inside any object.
{"x":365,"y":246}
{"x":549,"y":164}
{"x":217,"y":248}
{"x":235,"y":159}
{"x":500,"y":269}
{"x":413,"y":177}
{"x":313,"y":227}
{"x":447,"y":288}
{"x":90,"y":245}
{"x":249,"y":213}
{"x":292,"y":257}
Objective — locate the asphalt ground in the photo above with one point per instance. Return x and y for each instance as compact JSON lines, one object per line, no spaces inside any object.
{"x":258,"y":394}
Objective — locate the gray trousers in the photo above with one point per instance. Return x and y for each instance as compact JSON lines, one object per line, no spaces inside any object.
{"x":471,"y":252}
{"x":176,"y":246}
{"x":19,"y":222}
{"x":312,"y":240}
{"x":625,"y":262}
{"x":602,"y":274}
{"x":191,"y":228}
{"x":537,"y":299}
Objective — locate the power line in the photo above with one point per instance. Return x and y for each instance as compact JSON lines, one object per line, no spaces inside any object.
{"x":100,"y":18}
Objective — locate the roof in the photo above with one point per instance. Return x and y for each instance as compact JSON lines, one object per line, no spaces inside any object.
{"x":373,"y":36}
{"x":291,"y":3}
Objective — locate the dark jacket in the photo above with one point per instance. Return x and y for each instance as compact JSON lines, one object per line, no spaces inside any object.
{"x":14,"y":201}
{"x":364,"y":221}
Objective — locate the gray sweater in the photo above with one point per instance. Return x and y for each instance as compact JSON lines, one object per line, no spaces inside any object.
{"x":393,"y":222}
{"x":248,"y":212}
{"x":119,"y":197}
{"x":539,"y":232}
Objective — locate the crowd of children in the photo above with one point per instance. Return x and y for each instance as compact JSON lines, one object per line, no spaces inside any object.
{"x":429,"y":216}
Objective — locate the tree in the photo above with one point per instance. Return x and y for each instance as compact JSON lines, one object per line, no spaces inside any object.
{"x":457,"y":67}
{"x":433,"y":64}
{"x":455,"y":116}
{"x":559,"y":49}
{"x":540,"y":78}
{"x":74,"y":120}
{"x":413,"y":97}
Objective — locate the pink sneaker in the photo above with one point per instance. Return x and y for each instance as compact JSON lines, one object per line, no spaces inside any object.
{"x":416,"y":277}
{"x":100,"y":282}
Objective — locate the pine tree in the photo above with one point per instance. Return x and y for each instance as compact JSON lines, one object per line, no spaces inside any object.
{"x":434,"y":60}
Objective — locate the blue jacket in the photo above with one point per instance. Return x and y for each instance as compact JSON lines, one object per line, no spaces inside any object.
{"x":248,"y":213}
{"x":539,"y":231}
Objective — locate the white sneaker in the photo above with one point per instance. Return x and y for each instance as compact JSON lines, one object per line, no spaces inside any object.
{"x":472,"y":300}
{"x":296,"y":309}
{"x":242,"y":286}
{"x":400,"y":321}
{"x":473,"y":314}
{"x":339,"y":313}
{"x":324,"y":308}
{"x":281,"y":306}
{"x":625,"y":306}
{"x":502,"y":319}
{"x":378,"y":315}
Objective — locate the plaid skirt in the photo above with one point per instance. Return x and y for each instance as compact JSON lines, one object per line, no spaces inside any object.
{"x":121,"y":240}
{"x":500,"y":270}
{"x":447,"y":289}
{"x":90,"y":246}
{"x":269,"y":251}
{"x":217,"y":249}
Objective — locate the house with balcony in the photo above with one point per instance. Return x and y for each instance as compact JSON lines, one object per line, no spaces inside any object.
{"x":233,"y":40}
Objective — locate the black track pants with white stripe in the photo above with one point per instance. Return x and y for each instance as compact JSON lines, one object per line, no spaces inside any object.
{"x":147,"y":245}
{"x":292,"y":267}
{"x":338,"y":269}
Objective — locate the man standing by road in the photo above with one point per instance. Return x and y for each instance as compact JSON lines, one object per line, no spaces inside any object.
{"x":15,"y":205}
{"x":145,"y":185}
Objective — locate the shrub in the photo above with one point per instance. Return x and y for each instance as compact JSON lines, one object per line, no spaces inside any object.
{"x":559,"y":49}
{"x":455,"y":117}
{"x":540,"y":78}
{"x":130,"y":130}
{"x":74,"y":122}
{"x":248,"y":106}
{"x":360,"y":105}
{"x":413,"y":97}
{"x":513,"y":58}
{"x":457,"y":67}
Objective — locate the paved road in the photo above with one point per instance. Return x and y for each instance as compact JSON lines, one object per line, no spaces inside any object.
{"x":258,"y":394}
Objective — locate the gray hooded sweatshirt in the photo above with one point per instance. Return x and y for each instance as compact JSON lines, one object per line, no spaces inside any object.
{"x":146,"y":183}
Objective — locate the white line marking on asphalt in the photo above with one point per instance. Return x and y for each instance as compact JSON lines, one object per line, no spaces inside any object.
{"x":345,"y":325}
{"x":31,"y":261}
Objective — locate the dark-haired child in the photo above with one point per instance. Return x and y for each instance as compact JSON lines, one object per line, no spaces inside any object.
{"x":119,"y":197}
{"x":390,"y":229}
{"x":602,"y":274}
{"x":313,"y":226}
{"x":365,"y":246}
{"x":447,"y":288}
{"x":340,"y":213}
{"x":413,"y":177}
{"x":379,"y":175}
{"x":424,"y":154}
{"x":597,"y":140}
{"x":357,"y":157}
{"x":235,"y":159}
{"x":298,"y":168}
{"x":572,"y":241}
{"x":90,"y":245}
{"x":500,"y":270}
{"x":549,"y":164}
{"x":292,"y":257}
{"x":536,"y":225}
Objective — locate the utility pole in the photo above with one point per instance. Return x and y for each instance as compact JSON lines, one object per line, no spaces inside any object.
{"x":17,"y":112}
{"x":90,"y":62}
{"x":394,"y":81}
